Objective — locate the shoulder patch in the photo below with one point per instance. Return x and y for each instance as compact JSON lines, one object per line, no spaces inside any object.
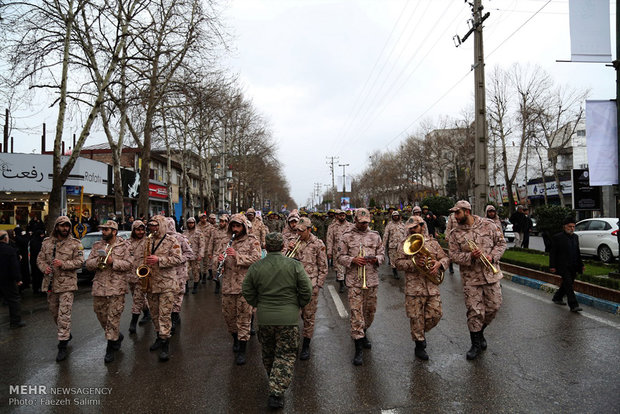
{"x":176,"y":246}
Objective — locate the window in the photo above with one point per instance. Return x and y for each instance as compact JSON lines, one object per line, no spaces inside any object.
{"x":597,"y":225}
{"x":582,"y":226}
{"x":581,"y":132}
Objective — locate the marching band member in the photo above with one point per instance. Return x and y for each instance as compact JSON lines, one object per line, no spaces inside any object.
{"x":311,"y":253}
{"x":242,"y":252}
{"x":422,"y":300}
{"x":393,"y":237}
{"x":181,"y":271}
{"x":334,"y":232}
{"x":136,"y":251}
{"x":361,"y":253}
{"x":476,"y":245}
{"x":111,"y":266}
{"x":60,"y":257}
{"x":198,"y":242}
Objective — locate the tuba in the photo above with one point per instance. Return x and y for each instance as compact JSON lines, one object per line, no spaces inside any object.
{"x":414,"y":245}
{"x":144,"y":271}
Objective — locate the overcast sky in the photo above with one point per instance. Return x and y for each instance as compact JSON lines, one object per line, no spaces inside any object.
{"x":348,"y":78}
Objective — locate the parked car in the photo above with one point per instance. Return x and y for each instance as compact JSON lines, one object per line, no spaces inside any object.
{"x":598,"y":237}
{"x":534,"y":231}
{"x":509,"y":234}
{"x":87,"y":242}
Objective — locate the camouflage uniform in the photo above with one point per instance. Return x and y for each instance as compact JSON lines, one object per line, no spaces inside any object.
{"x":279,"y":351}
{"x":63,"y":279}
{"x":483,"y":294}
{"x":334,"y":233}
{"x":219,"y":241}
{"x":198,"y":243}
{"x":163,"y":284}
{"x":258,"y":228}
{"x":275,"y":224}
{"x":495,"y":220}
{"x":181,"y":268}
{"x":110,"y":285}
{"x":288,"y":232}
{"x":136,"y":252}
{"x":237,"y":312}
{"x":395,"y":234}
{"x":362,"y":302}
{"x":422,"y":300}
{"x":207,"y":231}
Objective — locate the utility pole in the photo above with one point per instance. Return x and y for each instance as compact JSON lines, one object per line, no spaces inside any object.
{"x":330,"y":162}
{"x":481,"y":138}
{"x":344,"y":179}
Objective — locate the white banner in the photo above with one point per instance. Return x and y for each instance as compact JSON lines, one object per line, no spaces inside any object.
{"x":590,"y":38}
{"x":33,"y":173}
{"x":602,"y":142}
{"x":347,"y":184}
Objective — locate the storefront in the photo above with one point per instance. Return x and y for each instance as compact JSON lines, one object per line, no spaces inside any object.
{"x":158,"y":199}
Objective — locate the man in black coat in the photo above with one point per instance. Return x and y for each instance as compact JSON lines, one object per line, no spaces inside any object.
{"x":10,"y":279}
{"x":565,"y":260}
{"x":518,"y":222}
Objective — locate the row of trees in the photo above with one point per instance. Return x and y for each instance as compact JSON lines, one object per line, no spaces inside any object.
{"x":531,"y":122}
{"x":145,"y":72}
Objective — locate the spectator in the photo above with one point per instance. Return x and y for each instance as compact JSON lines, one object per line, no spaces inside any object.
{"x":35,"y":248}
{"x":430,"y":219}
{"x":10,"y":280}
{"x":517,"y":219}
{"x":528,"y":225}
{"x":21,"y":243}
{"x":565,"y":261}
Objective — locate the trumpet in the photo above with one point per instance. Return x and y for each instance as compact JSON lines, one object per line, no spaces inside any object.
{"x":472,"y":245}
{"x":295,"y":248}
{"x":361,"y":270}
{"x":103,"y":264}
{"x":144,"y":271}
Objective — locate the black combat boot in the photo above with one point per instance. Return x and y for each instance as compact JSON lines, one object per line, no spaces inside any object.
{"x":145,"y":318}
{"x":475,"y":349}
{"x":365,"y":342}
{"x":252,"y":331}
{"x":420,"y":350}
{"x":195,"y":289}
{"x":341,"y":290}
{"x":217,"y":287}
{"x":203,"y":278}
{"x":359,"y":352}
{"x":305,"y":350}
{"x":109,"y":352}
{"x":241,"y":355}
{"x":116,"y":345}
{"x":395,"y":273}
{"x":483,"y":341}
{"x":157,"y":344}
{"x":186,"y":288}
{"x":210,"y":277}
{"x":62,"y":350}
{"x":274,"y":402}
{"x":235,"y":342}
{"x":164,"y":354}
{"x":134,"y":322}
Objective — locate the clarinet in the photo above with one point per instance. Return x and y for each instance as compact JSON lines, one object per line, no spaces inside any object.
{"x":220,"y":267}
{"x":49,"y":287}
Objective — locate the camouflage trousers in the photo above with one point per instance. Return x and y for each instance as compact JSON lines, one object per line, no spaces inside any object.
{"x":340,"y":270}
{"x":308,"y":312}
{"x":482,"y":302}
{"x":60,"y":304}
{"x":139,"y":298}
{"x":109,"y":310}
{"x":206,"y":264}
{"x":161,"y":308}
{"x":194,"y":270}
{"x":362,"y":305}
{"x":424,"y":313}
{"x":178,"y":297}
{"x":279,"y":348}
{"x":238,"y":315}
{"x":392,"y":253}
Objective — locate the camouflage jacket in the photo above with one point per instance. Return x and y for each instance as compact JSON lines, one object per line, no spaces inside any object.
{"x":112,"y":280}
{"x":259,"y":230}
{"x":220,"y":239}
{"x":394,"y":234}
{"x":288,"y":234}
{"x":136,"y":252}
{"x":163,"y":276}
{"x":235,"y":267}
{"x":334,"y":232}
{"x":197,"y":242}
{"x":350,"y":245}
{"x":71,"y":253}
{"x":416,"y":284}
{"x":207,"y":233}
{"x":489,"y":239}
{"x":312,"y":255}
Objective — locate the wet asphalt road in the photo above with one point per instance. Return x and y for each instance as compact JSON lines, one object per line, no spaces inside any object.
{"x":541,"y":358}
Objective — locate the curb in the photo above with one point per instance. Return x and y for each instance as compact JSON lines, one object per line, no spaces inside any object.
{"x":600,"y":304}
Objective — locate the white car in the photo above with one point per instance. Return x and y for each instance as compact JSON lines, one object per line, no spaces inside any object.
{"x":509,"y":234}
{"x":598,"y":237}
{"x":87,"y":243}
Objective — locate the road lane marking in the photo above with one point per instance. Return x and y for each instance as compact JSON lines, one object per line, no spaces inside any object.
{"x":336,"y":298}
{"x":587,"y":315}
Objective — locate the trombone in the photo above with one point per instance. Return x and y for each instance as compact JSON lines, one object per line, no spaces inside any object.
{"x":361,"y":270}
{"x":472,"y":245}
{"x":103,"y":263}
{"x":295,"y":249}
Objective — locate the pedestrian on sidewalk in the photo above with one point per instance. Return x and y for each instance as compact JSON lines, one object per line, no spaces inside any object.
{"x":278,"y":287}
{"x":565,"y":261}
{"x":10,"y":280}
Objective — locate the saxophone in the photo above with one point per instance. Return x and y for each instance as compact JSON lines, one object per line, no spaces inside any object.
{"x":144,"y":271}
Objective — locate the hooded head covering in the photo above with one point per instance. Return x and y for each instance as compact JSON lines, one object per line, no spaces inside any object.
{"x":171,"y":227}
{"x":161,"y":222}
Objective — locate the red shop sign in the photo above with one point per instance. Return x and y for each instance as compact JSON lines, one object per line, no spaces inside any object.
{"x":158,"y":191}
